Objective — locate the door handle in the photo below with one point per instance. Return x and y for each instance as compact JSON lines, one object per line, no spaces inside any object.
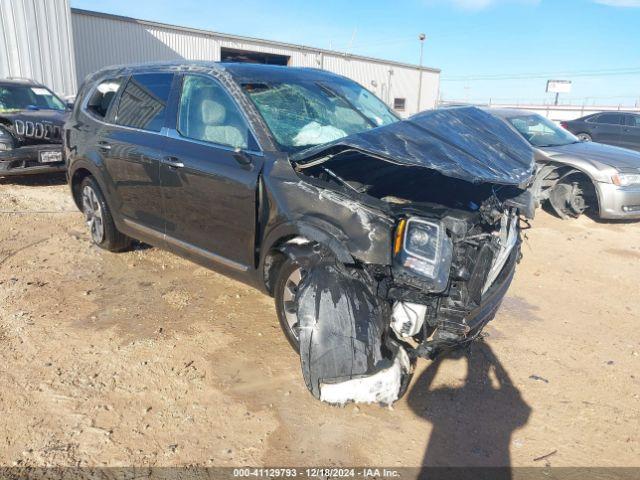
{"x":102,"y":145}
{"x":173,"y":162}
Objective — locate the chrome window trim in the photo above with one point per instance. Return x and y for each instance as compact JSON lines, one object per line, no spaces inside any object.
{"x":174,"y":134}
{"x":186,"y":246}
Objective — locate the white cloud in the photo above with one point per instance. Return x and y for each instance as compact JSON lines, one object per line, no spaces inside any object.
{"x":620,"y":3}
{"x":482,"y":4}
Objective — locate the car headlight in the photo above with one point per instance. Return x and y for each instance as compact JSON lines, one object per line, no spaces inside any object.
{"x":6,"y":140}
{"x":423,"y":248}
{"x":626,"y":179}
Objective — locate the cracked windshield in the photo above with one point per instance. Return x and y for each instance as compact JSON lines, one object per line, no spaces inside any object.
{"x":301,"y":115}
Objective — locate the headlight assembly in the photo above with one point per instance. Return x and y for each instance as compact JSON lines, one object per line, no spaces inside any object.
{"x":6,"y":140}
{"x":423,"y":248}
{"x":626,"y":179}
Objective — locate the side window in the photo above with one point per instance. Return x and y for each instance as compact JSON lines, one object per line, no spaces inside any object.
{"x":610,"y":118}
{"x":633,"y":120}
{"x":208,"y":113}
{"x":143,"y":101}
{"x":102,"y":97}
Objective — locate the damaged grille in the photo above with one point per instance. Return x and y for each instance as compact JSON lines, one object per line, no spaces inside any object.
{"x":37,"y":130}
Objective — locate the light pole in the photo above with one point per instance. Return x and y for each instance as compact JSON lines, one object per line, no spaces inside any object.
{"x":421,"y":37}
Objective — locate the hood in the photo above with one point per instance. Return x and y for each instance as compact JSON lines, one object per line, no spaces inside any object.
{"x":464,"y":143}
{"x":35,"y":126}
{"x":597,"y":154}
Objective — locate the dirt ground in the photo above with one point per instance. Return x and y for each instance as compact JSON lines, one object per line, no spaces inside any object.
{"x":143,"y":358}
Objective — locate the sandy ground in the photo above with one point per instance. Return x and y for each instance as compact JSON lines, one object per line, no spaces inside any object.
{"x":143,"y":358}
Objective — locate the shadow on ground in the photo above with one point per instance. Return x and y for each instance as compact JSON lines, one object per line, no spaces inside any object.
{"x":40,"y":180}
{"x":472,"y":423}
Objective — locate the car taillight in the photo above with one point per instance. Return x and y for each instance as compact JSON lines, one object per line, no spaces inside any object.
{"x":564,"y":125}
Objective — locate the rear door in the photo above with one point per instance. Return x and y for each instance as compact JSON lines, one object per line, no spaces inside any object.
{"x":631,"y":132}
{"x":135,"y":145}
{"x":607,"y":128}
{"x":209,"y":176}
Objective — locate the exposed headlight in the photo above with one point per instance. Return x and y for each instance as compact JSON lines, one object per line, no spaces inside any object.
{"x":422,"y":247}
{"x":626,"y":179}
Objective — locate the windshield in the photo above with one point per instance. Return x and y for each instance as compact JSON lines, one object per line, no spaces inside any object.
{"x":303,"y":114}
{"x":542,"y":132}
{"x":22,"y":97}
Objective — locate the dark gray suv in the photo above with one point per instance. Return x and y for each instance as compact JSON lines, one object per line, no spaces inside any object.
{"x":382,"y":240}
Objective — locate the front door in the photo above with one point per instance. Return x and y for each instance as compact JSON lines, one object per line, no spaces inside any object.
{"x":209,"y":176}
{"x":631,"y":132}
{"x":607,"y":128}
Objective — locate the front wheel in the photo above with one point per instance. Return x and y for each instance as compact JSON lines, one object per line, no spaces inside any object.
{"x":285,"y":291}
{"x":99,"y":220}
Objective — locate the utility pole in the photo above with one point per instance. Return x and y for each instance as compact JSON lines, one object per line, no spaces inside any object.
{"x":421,"y":37}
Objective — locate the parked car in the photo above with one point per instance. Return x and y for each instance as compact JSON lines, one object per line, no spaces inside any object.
{"x":31,"y":120}
{"x":371,"y":233}
{"x":575,"y":176}
{"x":621,"y":129}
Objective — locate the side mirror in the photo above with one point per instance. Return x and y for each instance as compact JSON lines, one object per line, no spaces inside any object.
{"x":69,"y":104}
{"x":242,"y":157}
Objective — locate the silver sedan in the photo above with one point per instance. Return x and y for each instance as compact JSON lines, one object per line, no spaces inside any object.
{"x":575,"y":176}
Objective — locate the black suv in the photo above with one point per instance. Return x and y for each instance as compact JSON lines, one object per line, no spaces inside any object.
{"x":31,"y":120}
{"x":382,"y":239}
{"x":621,"y":129}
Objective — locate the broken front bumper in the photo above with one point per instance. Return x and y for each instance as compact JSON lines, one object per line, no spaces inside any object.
{"x":28,"y":160}
{"x":450,"y":335}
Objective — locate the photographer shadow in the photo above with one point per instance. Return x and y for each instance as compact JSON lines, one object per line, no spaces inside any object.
{"x":473,"y":423}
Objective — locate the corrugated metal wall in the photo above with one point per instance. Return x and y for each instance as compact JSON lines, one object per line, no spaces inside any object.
{"x":102,"y":40}
{"x":36,"y":42}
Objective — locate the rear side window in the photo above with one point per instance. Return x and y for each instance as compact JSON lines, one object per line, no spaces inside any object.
{"x":102,"y":97}
{"x":143,"y":101}
{"x":609,"y":118}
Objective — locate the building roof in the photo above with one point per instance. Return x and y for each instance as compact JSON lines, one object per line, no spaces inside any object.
{"x":239,"y":38}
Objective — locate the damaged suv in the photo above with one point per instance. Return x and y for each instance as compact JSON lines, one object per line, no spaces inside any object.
{"x":31,"y":119}
{"x":382,"y":240}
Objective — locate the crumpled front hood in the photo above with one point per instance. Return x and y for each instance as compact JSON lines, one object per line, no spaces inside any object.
{"x":465,"y":143}
{"x":35,"y":126}
{"x":597,"y":154}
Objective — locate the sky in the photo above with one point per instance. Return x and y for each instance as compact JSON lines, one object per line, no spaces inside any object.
{"x":488,"y":50}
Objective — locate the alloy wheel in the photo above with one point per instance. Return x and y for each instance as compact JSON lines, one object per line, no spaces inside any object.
{"x":289,"y":301}
{"x":93,"y":214}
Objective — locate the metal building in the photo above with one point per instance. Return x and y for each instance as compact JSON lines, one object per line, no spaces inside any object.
{"x":103,"y":39}
{"x":36,"y":42}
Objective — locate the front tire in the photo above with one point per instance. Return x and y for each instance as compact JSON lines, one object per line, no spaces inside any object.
{"x":286,"y":288}
{"x":98,"y":217}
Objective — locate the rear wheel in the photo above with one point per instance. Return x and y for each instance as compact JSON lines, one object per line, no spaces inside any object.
{"x":286,"y":289}
{"x":98,"y":218}
{"x":585,"y":137}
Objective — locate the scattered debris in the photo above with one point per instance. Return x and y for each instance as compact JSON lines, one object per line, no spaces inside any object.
{"x":543,"y":457}
{"x":538,"y":378}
